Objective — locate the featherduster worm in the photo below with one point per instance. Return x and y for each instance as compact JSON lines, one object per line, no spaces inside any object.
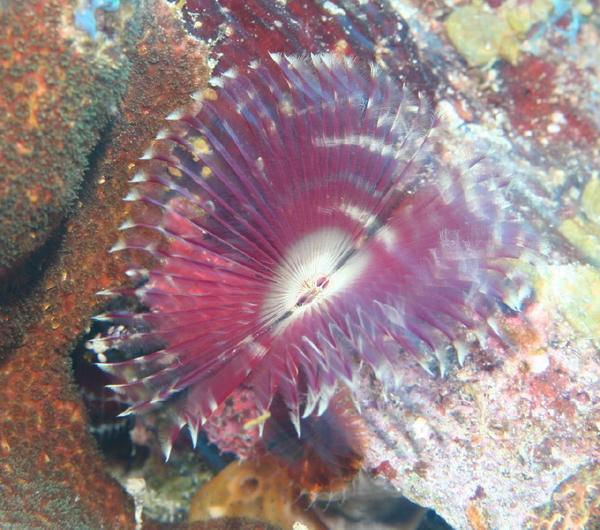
{"x":306,"y":229}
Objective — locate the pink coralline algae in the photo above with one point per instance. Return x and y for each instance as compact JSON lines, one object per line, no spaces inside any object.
{"x":303,"y":227}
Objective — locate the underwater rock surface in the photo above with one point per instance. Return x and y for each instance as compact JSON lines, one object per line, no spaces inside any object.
{"x":58,"y":91}
{"x":51,"y":472}
{"x":507,"y":441}
{"x":500,"y":435}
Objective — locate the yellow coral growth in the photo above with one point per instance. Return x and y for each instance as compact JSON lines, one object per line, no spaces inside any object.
{"x":583,"y":231}
{"x":575,"y":504}
{"x":254,"y":489}
{"x":575,"y":291}
{"x":482,"y":35}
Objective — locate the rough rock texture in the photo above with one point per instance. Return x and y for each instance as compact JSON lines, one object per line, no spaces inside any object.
{"x":58,"y":91}
{"x":575,"y":503}
{"x":506,"y":440}
{"x":372,"y":31}
{"x":226,"y":524}
{"x":494,"y":440}
{"x":51,"y":472}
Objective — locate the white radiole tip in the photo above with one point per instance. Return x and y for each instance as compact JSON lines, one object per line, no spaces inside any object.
{"x":148,"y":154}
{"x":132,"y":196}
{"x":127,"y":224}
{"x":119,"y":245}
{"x":167,"y":447}
{"x":102,"y":317}
{"x":175,"y":115}
{"x":106,"y":292}
{"x":193,"y":428}
{"x":140,"y":176}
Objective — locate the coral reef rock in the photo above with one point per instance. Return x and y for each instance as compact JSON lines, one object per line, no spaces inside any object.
{"x":59,"y":89}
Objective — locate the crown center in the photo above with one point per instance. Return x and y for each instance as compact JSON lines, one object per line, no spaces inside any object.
{"x":312,"y":290}
{"x":313,"y":272}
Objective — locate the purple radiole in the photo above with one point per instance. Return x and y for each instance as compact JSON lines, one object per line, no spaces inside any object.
{"x":303,"y":227}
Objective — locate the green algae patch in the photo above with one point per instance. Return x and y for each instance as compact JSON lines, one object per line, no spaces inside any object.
{"x":585,"y":236}
{"x":575,"y":291}
{"x":590,"y":201}
{"x":583,"y":231}
{"x":482,"y":35}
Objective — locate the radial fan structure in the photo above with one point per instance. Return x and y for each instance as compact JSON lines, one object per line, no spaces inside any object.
{"x":302,"y":228}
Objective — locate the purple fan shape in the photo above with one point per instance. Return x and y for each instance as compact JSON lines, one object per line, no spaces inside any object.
{"x":306,"y":229}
